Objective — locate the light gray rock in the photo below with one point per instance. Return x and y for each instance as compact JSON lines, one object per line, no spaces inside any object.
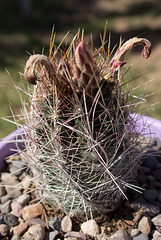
{"x":144,"y":225}
{"x":19,"y":165}
{"x":24,"y":199}
{"x":16,"y":209}
{"x":16,"y":172}
{"x":4,"y":198}
{"x":35,"y":232}
{"x":34,"y":221}
{"x":66,"y":224}
{"x":6,"y":207}
{"x":2,"y":191}
{"x":157,"y":220}
{"x":141,"y":236}
{"x":155,"y":234}
{"x":120,"y":235}
{"x":4,"y":230}
{"x":16,"y":237}
{"x":102,"y":236}
{"x":52,"y":235}
{"x":8,"y":178}
{"x":135,"y":232}
{"x":78,"y":235}
{"x":90,"y":228}
{"x":14,"y":191}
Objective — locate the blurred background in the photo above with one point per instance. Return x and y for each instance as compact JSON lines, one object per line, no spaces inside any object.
{"x":25,"y":27}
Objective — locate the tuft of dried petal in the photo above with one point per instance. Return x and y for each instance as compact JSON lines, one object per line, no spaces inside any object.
{"x":30,"y":72}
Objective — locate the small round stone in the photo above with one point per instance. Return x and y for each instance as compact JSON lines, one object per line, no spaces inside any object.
{"x":6,"y":207}
{"x":11,"y":220}
{"x":66,"y":224}
{"x":150,"y":195}
{"x":15,"y":171}
{"x":144,"y":225}
{"x":134,"y":232}
{"x":90,"y":228}
{"x":157,"y":175}
{"x":141,"y":236}
{"x":16,"y":237}
{"x":36,"y":232}
{"x":34,"y":221}
{"x":4,"y":230}
{"x":32,"y":211}
{"x":20,"y":229}
{"x":2,"y":191}
{"x":16,"y":209}
{"x":150,"y":162}
{"x":1,"y":218}
{"x":24,"y":199}
{"x":55,"y":223}
{"x":52,"y":235}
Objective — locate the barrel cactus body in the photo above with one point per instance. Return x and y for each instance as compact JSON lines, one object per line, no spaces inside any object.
{"x":80,"y":138}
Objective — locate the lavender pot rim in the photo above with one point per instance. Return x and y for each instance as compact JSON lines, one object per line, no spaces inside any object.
{"x":9,"y":145}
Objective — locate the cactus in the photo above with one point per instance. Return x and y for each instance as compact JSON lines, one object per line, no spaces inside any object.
{"x":80,"y":136}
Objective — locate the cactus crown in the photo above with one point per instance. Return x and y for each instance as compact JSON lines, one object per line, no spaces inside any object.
{"x":81,"y":139}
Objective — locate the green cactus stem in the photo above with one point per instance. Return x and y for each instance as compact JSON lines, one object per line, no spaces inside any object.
{"x":81,"y":140}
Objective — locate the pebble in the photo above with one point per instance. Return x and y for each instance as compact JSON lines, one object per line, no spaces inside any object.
{"x":14,"y":191}
{"x":1,"y":218}
{"x":4,"y":198}
{"x":144,"y":225}
{"x":141,"y":177}
{"x":35,"y":232}
{"x":16,"y":208}
{"x":55,"y":223}
{"x":150,"y":194}
{"x":151,"y":210}
{"x":102,"y":236}
{"x":90,"y":228}
{"x":157,"y":220}
{"x":52,"y":235}
{"x":6,"y":207}
{"x":7,"y":178}
{"x":4,"y":230}
{"x":24,"y":199}
{"x":78,"y":235}
{"x":2,"y":191}
{"x":157,"y":175}
{"x":155,"y":234}
{"x":26,"y":183}
{"x":120,"y":234}
{"x":11,"y":220}
{"x":15,"y":171}
{"x":20,"y":229}
{"x":141,"y":236}
{"x":150,"y":162}
{"x":134,"y":232}
{"x":32,"y":211}
{"x":16,"y":237}
{"x":66,"y":224}
{"x":34,"y":221}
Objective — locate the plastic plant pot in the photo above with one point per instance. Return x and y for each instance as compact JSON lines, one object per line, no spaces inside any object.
{"x":145,"y":125}
{"x":10,"y":145}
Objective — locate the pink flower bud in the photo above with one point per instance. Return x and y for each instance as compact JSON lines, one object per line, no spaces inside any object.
{"x":85,"y":68}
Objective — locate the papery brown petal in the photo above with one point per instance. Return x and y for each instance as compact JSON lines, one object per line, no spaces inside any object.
{"x":30,"y":71}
